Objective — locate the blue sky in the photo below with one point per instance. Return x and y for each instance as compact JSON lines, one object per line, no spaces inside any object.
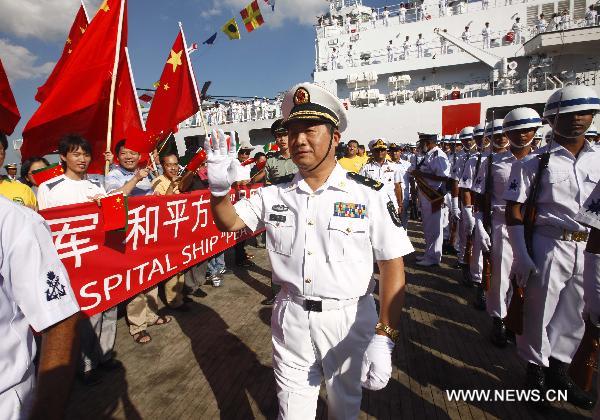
{"x":262,"y":63}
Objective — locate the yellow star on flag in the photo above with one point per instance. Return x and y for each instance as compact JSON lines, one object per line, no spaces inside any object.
{"x":83,"y":29}
{"x":175,"y":59}
{"x":104,"y":6}
{"x":70,"y":51}
{"x":69,"y":40}
{"x":118,"y":200}
{"x":166,"y":86}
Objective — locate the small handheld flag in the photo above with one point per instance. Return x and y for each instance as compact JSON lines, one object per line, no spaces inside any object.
{"x":231,"y":29}
{"x":47,"y":173}
{"x":114,"y":212}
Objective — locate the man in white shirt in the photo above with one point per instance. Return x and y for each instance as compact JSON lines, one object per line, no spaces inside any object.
{"x":486,"y":32}
{"x":98,"y":333}
{"x":466,"y":35}
{"x":541,"y":24}
{"x":517,"y":28}
{"x":390,"y":52}
{"x":406,"y":47}
{"x":386,"y":16}
{"x":590,"y":16}
{"x":35,"y":294}
{"x":402,"y":13}
{"x":419,"y":44}
{"x":324,"y":228}
{"x":374,"y":17}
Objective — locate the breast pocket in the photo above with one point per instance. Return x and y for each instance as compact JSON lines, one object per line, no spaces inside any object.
{"x":560,"y":185}
{"x":348,"y":239}
{"x":281,"y":232}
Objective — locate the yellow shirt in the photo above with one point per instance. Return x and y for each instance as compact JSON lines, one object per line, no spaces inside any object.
{"x":18,"y":192}
{"x":161,"y":184}
{"x":352,"y":164}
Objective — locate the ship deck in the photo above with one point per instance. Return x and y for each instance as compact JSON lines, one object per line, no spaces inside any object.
{"x":215,"y":361}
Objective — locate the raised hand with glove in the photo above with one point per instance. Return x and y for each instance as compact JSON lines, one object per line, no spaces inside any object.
{"x":222,"y":165}
{"x":376,"y":368}
{"x":523,"y":266}
{"x":486,"y":242}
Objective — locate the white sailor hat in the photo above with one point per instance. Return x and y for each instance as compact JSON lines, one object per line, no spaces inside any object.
{"x":478,"y":130}
{"x":572,"y":98}
{"x":466,"y":133}
{"x":521,"y":118}
{"x":493,"y":127}
{"x":446,"y":138}
{"x":311,"y":102}
{"x":592,"y":131}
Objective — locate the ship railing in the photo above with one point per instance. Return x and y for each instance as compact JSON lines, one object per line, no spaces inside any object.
{"x":430,"y":11}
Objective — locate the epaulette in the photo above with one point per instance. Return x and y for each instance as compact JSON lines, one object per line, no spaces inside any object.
{"x":54,"y":183}
{"x":282,"y":179}
{"x":371,"y":183}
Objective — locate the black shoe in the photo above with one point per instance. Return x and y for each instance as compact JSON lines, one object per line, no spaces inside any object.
{"x":558,"y":379}
{"x":480,"y":300}
{"x":91,"y":377}
{"x":498,"y":336}
{"x":245,"y":264}
{"x":510,"y":336}
{"x":199,"y":293}
{"x":268,"y":302}
{"x":110,"y":364}
{"x":466,"y":275}
{"x":458,"y":265}
{"x":536,"y":380}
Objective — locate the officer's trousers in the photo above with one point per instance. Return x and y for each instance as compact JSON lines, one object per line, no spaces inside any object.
{"x":97,"y":337}
{"x":462,"y":240}
{"x":446,"y":216}
{"x":432,"y":230}
{"x":311,"y":346}
{"x":500,"y":291}
{"x":552,"y":322}
{"x":16,"y":402}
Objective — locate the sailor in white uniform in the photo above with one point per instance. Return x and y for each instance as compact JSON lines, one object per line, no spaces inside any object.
{"x":35,"y":293}
{"x":434,"y":169}
{"x":552,"y":277}
{"x":379,"y":169}
{"x":520,"y":126}
{"x":517,"y":29}
{"x":324,"y":228}
{"x":486,"y":33}
{"x":420,"y":42}
{"x":541,"y":24}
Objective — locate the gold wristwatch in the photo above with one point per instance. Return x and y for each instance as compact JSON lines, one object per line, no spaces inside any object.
{"x":393,"y":334}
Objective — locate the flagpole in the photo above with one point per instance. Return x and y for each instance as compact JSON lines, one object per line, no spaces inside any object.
{"x":113,"y":84}
{"x":87,"y":18}
{"x":191,"y":68}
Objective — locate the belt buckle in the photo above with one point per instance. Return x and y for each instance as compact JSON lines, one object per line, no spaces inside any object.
{"x":313,"y":305}
{"x":579,"y":236}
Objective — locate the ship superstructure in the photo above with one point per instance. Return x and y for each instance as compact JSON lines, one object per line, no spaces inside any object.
{"x":400,"y":68}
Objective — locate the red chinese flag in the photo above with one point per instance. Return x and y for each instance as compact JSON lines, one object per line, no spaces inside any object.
{"x":9,"y":113}
{"x":457,"y":117}
{"x":126,"y":114}
{"x":45,"y":174}
{"x":80,"y":99}
{"x":145,"y":97}
{"x":78,"y":28}
{"x":176,"y":95}
{"x":141,"y":141}
{"x":197,"y":161}
{"x":114,"y":212}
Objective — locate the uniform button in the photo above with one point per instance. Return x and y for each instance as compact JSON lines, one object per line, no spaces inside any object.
{"x":312,"y":195}
{"x":309,"y":252}
{"x":310,"y":223}
{"x":307,"y":280}
{"x":348,"y":230}
{"x":277,"y":224}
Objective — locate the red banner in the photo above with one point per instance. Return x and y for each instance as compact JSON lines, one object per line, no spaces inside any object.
{"x":165,"y":235}
{"x":457,"y":117}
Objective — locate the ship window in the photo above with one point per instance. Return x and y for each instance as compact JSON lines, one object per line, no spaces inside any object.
{"x":564,"y":5}
{"x":532,"y":15}
{"x":548,"y":11}
{"x":579,"y":9}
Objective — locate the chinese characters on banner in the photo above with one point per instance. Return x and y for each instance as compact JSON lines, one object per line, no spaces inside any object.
{"x":165,"y":235}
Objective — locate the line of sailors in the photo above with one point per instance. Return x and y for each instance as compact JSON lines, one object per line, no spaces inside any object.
{"x":242,"y":111}
{"x":552,"y":272}
{"x":452,"y":183}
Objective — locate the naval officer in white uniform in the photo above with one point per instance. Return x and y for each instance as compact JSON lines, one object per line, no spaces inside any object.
{"x":324,"y":227}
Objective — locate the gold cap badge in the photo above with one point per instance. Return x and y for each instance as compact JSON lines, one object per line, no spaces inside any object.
{"x":301,"y":96}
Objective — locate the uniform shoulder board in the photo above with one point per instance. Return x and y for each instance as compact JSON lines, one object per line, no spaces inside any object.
{"x":283,"y":179}
{"x":54,"y":183}
{"x":371,"y":183}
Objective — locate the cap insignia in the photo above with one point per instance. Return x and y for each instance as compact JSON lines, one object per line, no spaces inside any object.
{"x":301,"y":96}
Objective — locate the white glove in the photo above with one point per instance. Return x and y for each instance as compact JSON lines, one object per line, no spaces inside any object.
{"x":221,"y":164}
{"x":523,"y":266}
{"x":486,"y":242}
{"x":455,"y":209}
{"x":377,"y":363}
{"x":468,"y":218}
